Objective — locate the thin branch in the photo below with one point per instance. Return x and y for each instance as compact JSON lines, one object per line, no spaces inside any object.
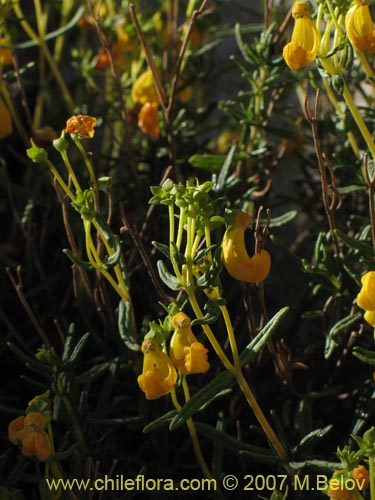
{"x":328,"y":206}
{"x":18,"y":286}
{"x":371,"y":186}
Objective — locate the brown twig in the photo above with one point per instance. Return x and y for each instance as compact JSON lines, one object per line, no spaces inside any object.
{"x":18,"y":286}
{"x":124,"y":111}
{"x":134,"y":234}
{"x":328,"y":205}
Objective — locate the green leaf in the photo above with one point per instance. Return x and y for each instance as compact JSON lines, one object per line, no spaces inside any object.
{"x":167,"y":278}
{"x":364,"y":355}
{"x":283,"y":219}
{"x":334,"y":335}
{"x":307,"y":442}
{"x":86,"y":266}
{"x":213,"y":162}
{"x":260,"y":454}
{"x":365,"y":249}
{"x":124,"y":321}
{"x":164,"y":249}
{"x":110,"y":261}
{"x":225,"y":170}
{"x":160,"y":422}
{"x":79,"y":347}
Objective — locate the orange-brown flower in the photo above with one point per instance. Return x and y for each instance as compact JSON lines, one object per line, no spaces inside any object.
{"x":361,"y":477}
{"x":82,"y":125}
{"x":6,"y":127}
{"x":187,"y":354}
{"x":29,"y":431}
{"x":148,"y":119}
{"x":6,"y":57}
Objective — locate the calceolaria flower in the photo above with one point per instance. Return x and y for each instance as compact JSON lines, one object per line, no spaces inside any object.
{"x":148,"y":120}
{"x":143,"y":89}
{"x":30,"y":432}
{"x":159,"y":375}
{"x":366,"y":297}
{"x":301,"y":51}
{"x":236,"y":260}
{"x":359,"y":26}
{"x":81,"y":125}
{"x":187,"y":354}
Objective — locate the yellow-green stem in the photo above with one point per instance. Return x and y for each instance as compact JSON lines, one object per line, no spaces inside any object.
{"x":231,"y":337}
{"x":193,"y":434}
{"x":55,"y":469}
{"x":171,"y":241}
{"x":47,"y":54}
{"x":60,"y":180}
{"x":70,"y":169}
{"x":372,"y":477}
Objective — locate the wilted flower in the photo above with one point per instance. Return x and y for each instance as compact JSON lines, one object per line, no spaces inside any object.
{"x":82,"y":125}
{"x":302,"y":49}
{"x":159,"y":375}
{"x":366,"y":297}
{"x":359,"y":26}
{"x":148,"y":119}
{"x":6,"y":57}
{"x":361,"y":477}
{"x":336,"y":488}
{"x":6,"y":127}
{"x":235,"y":257}
{"x":29,"y":432}
{"x":143,"y":89}
{"x":187,"y":354}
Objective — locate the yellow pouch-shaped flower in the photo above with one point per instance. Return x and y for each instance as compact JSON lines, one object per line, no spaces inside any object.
{"x":159,"y":375}
{"x":143,"y":89}
{"x":366,"y":297}
{"x":29,"y":431}
{"x":148,"y":120}
{"x":235,"y":257}
{"x":359,"y":27}
{"x":301,"y":51}
{"x":187,"y":354}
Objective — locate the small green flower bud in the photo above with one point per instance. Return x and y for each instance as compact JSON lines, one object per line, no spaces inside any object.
{"x":36,"y":154}
{"x":61,"y":144}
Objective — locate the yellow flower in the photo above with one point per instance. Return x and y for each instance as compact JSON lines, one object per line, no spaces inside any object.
{"x":82,"y":125}
{"x":6,"y":127}
{"x":366,"y":297}
{"x":359,"y":26}
{"x":29,"y":431}
{"x":6,"y":57}
{"x":148,"y":119}
{"x":235,"y":257}
{"x":159,"y":375}
{"x":143,"y":89}
{"x":302,"y":49}
{"x":187,"y":354}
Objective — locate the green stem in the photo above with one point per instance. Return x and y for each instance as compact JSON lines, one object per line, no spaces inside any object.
{"x":60,"y":180}
{"x":231,"y":336}
{"x":193,"y":434}
{"x":69,"y":167}
{"x":55,"y":469}
{"x":47,"y":54}
{"x":171,"y":240}
{"x":75,"y":425}
{"x":372,"y":477}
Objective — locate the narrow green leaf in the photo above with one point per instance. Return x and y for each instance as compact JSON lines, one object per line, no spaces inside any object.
{"x":225,"y":170}
{"x":160,"y":422}
{"x":86,"y":266}
{"x":167,"y":278}
{"x":263,"y":455}
{"x":365,"y":249}
{"x":124,"y":321}
{"x":164,"y":249}
{"x":364,"y":355}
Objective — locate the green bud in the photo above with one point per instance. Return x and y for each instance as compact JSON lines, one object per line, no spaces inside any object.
{"x":36,"y":154}
{"x":61,"y":144}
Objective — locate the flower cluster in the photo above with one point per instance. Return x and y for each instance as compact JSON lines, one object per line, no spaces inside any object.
{"x":303,"y":48}
{"x":187,"y":355}
{"x":29,"y":432}
{"x":144,"y":92}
